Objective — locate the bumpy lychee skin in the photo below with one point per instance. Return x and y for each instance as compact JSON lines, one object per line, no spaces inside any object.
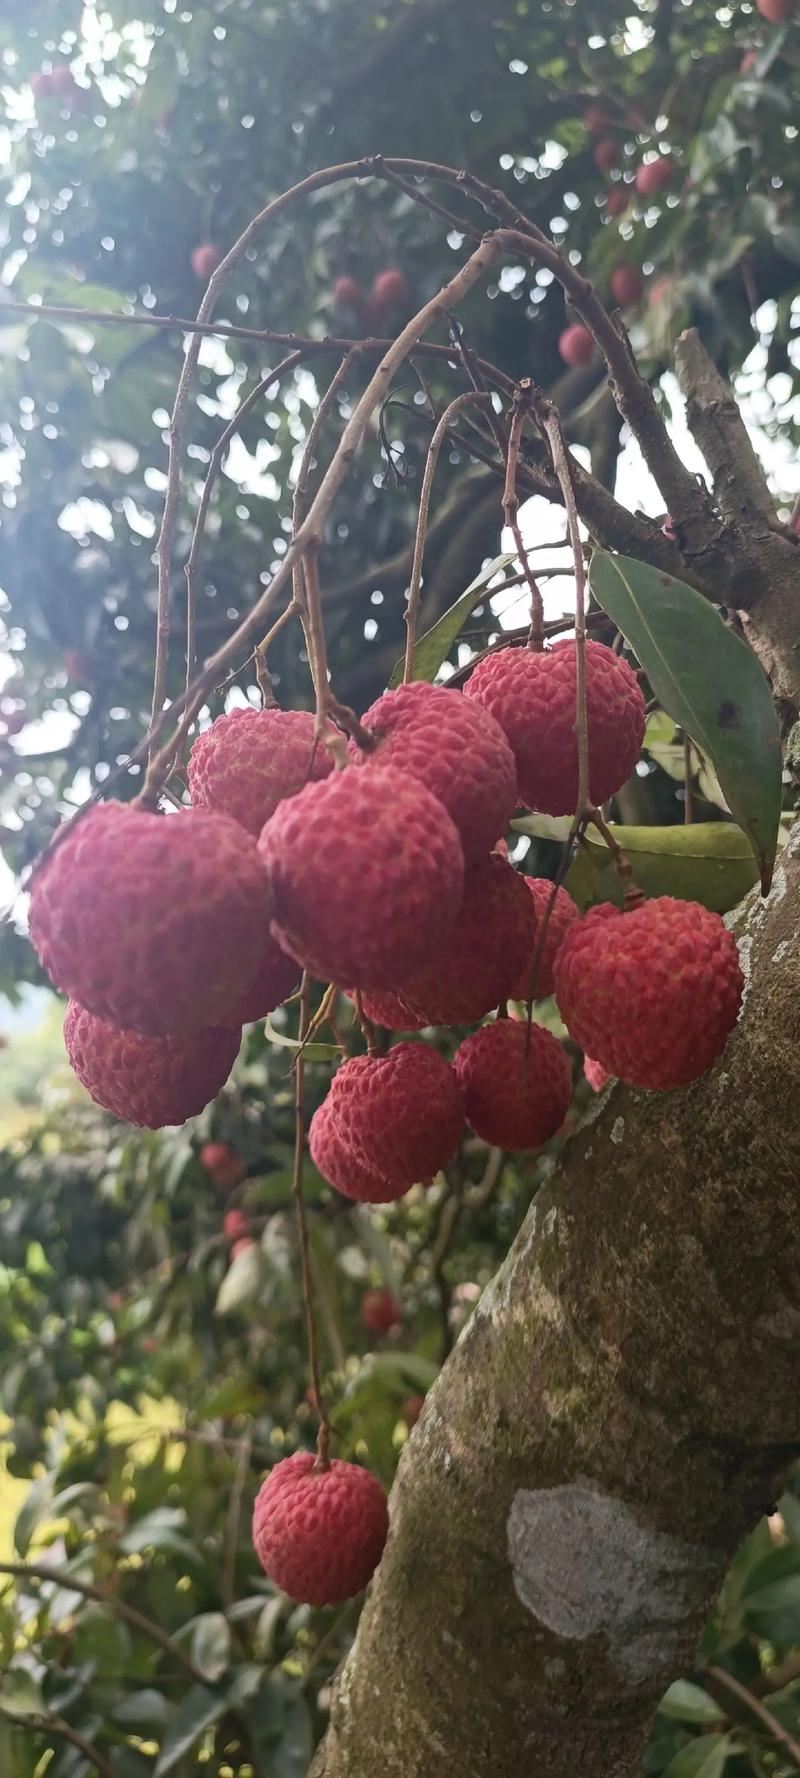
{"x":319,"y":1533}
{"x":457,"y":750}
{"x":249,"y":760}
{"x":490,"y":939}
{"x":514,"y":1099}
{"x":651,"y":994}
{"x":367,"y":872}
{"x":380,"y":1311}
{"x":401,"y":1114}
{"x":149,"y":1081}
{"x":347,"y":1171}
{"x":276,"y":977}
{"x":562,"y":915}
{"x":533,"y":697}
{"x":151,"y":921}
{"x":389,"y":1010}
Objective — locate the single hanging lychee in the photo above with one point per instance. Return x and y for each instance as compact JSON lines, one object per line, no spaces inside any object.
{"x":479,"y":962}
{"x":562,"y":914}
{"x":652,"y":994}
{"x":516,"y":1092}
{"x":533,"y":696}
{"x":453,"y":747}
{"x":367,"y":872}
{"x":319,"y":1532}
{"x":575,"y":344}
{"x":248,"y":761}
{"x":347,"y":1171}
{"x":151,"y":921}
{"x":400,"y":1114}
{"x":380,"y":1311}
{"x":149,"y":1081}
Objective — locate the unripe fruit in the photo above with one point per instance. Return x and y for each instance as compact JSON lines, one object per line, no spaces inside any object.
{"x":651,"y":994}
{"x":151,"y":921}
{"x":242,"y":1246}
{"x":348,"y":1172}
{"x":346,"y":293}
{"x":380,"y":1311}
{"x":516,"y":1094}
{"x":596,"y":1075}
{"x":490,"y":939}
{"x":205,"y":260}
{"x":366,"y":870}
{"x":627,"y":285}
{"x":235,"y":1225}
{"x":575,"y":344}
{"x":319,"y":1533}
{"x":400,"y":1114}
{"x":248,"y":761}
{"x":778,"y":12}
{"x":389,"y":1010}
{"x":562,"y":915}
{"x":276,"y":977}
{"x":149,"y":1081}
{"x":617,"y":200}
{"x":653,"y":176}
{"x":436,"y":736}
{"x":606,"y":154}
{"x":533,"y":697}
{"x":222,"y":1162}
{"x":389,"y":290}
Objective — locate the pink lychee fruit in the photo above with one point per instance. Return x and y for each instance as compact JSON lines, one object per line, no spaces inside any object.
{"x":204,"y":259}
{"x":627,"y":285}
{"x":606,"y":154}
{"x":366,"y":870}
{"x":344,"y":1169}
{"x":270,"y":984}
{"x":223,"y":1164}
{"x":516,"y":1092}
{"x":319,"y":1531}
{"x":389,"y":290}
{"x":380,"y":1311}
{"x":562,"y":915}
{"x":235,"y":1224}
{"x":248,"y":761}
{"x":489,"y":941}
{"x":149,"y":1081}
{"x":617,"y":200}
{"x":400,"y":1114}
{"x":346,"y":293}
{"x":653,"y":176}
{"x":575,"y":344}
{"x":777,"y":12}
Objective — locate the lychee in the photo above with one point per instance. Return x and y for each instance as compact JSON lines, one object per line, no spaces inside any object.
{"x":347,"y":1171}
{"x":380,"y":1311}
{"x":627,"y":285}
{"x":575,"y":344}
{"x":533,"y":697}
{"x":235,"y":1224}
{"x":516,"y":1093}
{"x":389,"y":290}
{"x":319,"y":1532}
{"x":248,"y":761}
{"x":778,"y":12}
{"x":562,"y":914}
{"x":151,"y":921}
{"x":150,"y":1081}
{"x":617,"y":200}
{"x":401,"y":1114}
{"x":389,"y":1010}
{"x":367,"y":872}
{"x":651,"y":994}
{"x":222,"y":1163}
{"x":596,"y":1075}
{"x":606,"y":154}
{"x":653,"y":176}
{"x":490,"y":939}
{"x":205,"y":260}
{"x":346,"y":293}
{"x":276,"y":977}
{"x":432,"y":734}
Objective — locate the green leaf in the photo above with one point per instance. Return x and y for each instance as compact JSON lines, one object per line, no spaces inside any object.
{"x":709,"y":681}
{"x":706,"y":861}
{"x":312,"y":1052}
{"x":195,"y":1713}
{"x":211,"y":1644}
{"x":688,"y":1703}
{"x":35,"y":1506}
{"x":704,"y":1757}
{"x":434,"y":647}
{"x":243,"y":1281}
{"x":20,"y":1694}
{"x":144,"y":1711}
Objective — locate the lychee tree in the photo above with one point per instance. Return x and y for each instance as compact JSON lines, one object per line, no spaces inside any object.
{"x":561,"y":1554}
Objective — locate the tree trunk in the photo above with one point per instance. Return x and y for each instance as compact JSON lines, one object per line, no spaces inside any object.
{"x":620,"y":1409}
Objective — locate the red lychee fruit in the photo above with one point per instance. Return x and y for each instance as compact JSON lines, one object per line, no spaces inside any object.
{"x":533,"y":697}
{"x":606,"y":154}
{"x":653,"y":176}
{"x":596,"y":1075}
{"x":514,"y":1099}
{"x":575,"y":344}
{"x":389,"y":290}
{"x":348,"y":1172}
{"x":651,"y":994}
{"x":380,"y":1311}
{"x":224,"y":1165}
{"x":150,"y":1081}
{"x":78,"y":666}
{"x":276,"y":977}
{"x":235,"y":1225}
{"x":248,"y":761}
{"x":389,"y":1010}
{"x":205,"y":259}
{"x":595,"y":119}
{"x":319,"y":1533}
{"x":242,"y":1246}
{"x":367,"y":871}
{"x":778,"y":12}
{"x":562,"y":915}
{"x":41,"y":83}
{"x":412,"y":1408}
{"x":346,"y":293}
{"x":431,"y":733}
{"x":627,"y":285}
{"x":400,"y":1114}
{"x":617,"y":200}
{"x":489,"y":941}
{"x":151,"y":921}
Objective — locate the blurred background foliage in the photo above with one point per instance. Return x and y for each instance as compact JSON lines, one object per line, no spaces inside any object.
{"x":146,"y":1376}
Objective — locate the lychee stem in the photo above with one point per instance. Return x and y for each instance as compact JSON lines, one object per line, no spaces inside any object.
{"x":519,"y":408}
{"x":414,"y":591}
{"x":324,"y":1434}
{"x":366,"y":1025}
{"x":688,"y":773}
{"x":633,"y":896}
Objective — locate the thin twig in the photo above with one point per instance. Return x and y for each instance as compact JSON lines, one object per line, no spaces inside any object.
{"x":561,"y":463}
{"x":324,"y":1434}
{"x":688,"y":808}
{"x":56,"y":1725}
{"x":774,"y":1728}
{"x":62,"y":1578}
{"x":511,"y":508}
{"x":414,"y":591}
{"x":228,"y":1587}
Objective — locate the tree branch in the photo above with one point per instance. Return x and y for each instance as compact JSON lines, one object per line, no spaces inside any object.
{"x":62,"y":1578}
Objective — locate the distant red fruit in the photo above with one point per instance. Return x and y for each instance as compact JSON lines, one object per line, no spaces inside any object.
{"x":607,"y":154}
{"x":778,"y":12}
{"x":627,"y":285}
{"x":617,"y":200}
{"x":576,"y":344}
{"x":653,"y":176}
{"x":222,"y":1162}
{"x":319,"y":1533}
{"x":235,"y":1225}
{"x":149,"y":1081}
{"x":242,"y":1246}
{"x":78,"y":666}
{"x":516,"y":1091}
{"x":346,"y":293}
{"x":595,"y":119}
{"x":205,"y":260}
{"x":389,"y":291}
{"x":380,"y":1311}
{"x":562,"y":914}
{"x":63,"y":82}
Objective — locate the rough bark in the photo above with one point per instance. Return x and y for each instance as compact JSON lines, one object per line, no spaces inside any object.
{"x":620,"y":1409}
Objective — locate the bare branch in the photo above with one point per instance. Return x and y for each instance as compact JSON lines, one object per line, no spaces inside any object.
{"x":714,"y":419}
{"x":412,"y":608}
